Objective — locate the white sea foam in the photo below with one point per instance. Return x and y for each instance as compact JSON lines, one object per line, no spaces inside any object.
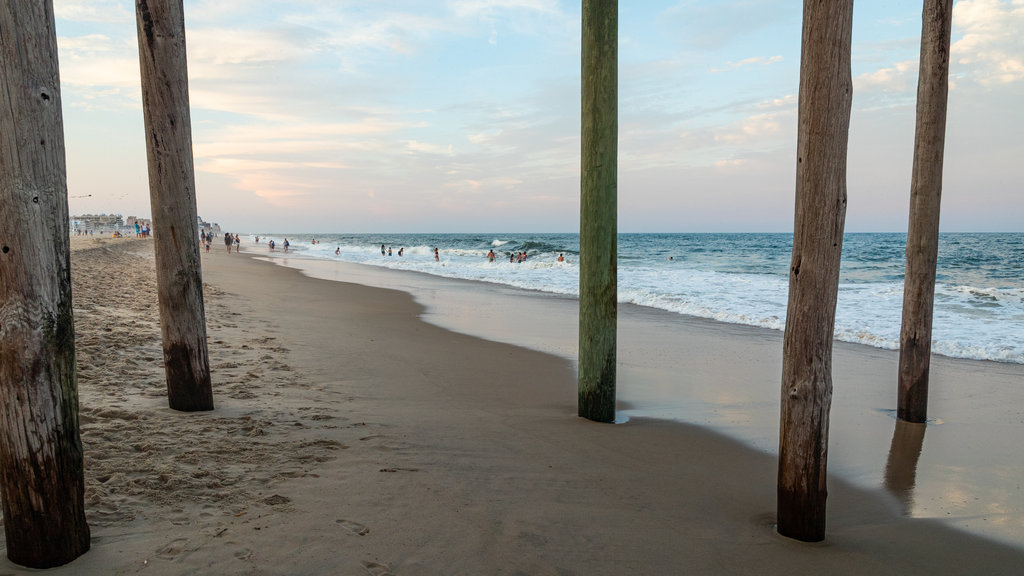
{"x":980,"y":322}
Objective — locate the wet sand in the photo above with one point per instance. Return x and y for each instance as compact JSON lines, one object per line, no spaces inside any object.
{"x":965,"y":468}
{"x":352,"y":437}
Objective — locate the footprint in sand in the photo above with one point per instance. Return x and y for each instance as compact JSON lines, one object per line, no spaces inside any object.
{"x":376,"y":569}
{"x":173,"y":549}
{"x":354,"y":527}
{"x":276,"y":500}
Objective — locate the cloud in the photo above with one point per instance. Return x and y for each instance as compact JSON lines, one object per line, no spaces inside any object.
{"x":787,"y":101}
{"x":901,"y":77}
{"x":732,"y":163}
{"x":99,"y":73}
{"x":713,"y":24}
{"x":753,"y":61}
{"x":991,"y":48}
{"x":96,"y":60}
{"x":248,"y":48}
{"x":756,"y":127}
{"x":528,"y":17}
{"x":416,"y":147}
{"x":99,"y":11}
{"x":469,"y":8}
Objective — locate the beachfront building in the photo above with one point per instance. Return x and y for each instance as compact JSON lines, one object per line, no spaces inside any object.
{"x":209,"y":228}
{"x":97,"y":223}
{"x":131,"y":221}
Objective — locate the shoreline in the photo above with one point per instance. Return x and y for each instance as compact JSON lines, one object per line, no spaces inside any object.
{"x":351,"y":437}
{"x":667,"y":359}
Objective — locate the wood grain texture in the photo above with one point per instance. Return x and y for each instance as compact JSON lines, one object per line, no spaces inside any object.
{"x":161,"y":31}
{"x":925,"y":199}
{"x":41,"y":474}
{"x":826,"y":92}
{"x":599,"y":212}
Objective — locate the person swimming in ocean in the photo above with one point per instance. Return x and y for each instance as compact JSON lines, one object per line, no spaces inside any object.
{"x":490,"y":256}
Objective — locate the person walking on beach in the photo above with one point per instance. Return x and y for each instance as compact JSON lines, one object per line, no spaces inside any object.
{"x":228,"y":240}
{"x":238,"y":244}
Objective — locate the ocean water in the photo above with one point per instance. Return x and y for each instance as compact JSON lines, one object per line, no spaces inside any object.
{"x":734,"y":278}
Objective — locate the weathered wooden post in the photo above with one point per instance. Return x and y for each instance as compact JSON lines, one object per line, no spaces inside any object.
{"x":925,"y":197}
{"x":826,"y":91}
{"x":161,"y":28}
{"x":599,"y":211}
{"x":40,"y":447}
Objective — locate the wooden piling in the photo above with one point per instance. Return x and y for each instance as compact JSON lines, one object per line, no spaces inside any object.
{"x":161,"y":31}
{"x":41,"y":474}
{"x":822,"y":134}
{"x":925,"y":197}
{"x":598,"y":211}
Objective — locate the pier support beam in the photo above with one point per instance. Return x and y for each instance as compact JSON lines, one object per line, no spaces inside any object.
{"x":161,"y":29}
{"x":599,"y":211}
{"x":925,"y":197}
{"x":41,"y":475}
{"x":826,"y":93}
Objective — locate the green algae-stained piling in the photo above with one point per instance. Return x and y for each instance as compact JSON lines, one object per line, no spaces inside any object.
{"x":41,"y":473}
{"x":826,"y":92}
{"x":925,"y":197}
{"x":598,"y":211}
{"x":161,"y":30}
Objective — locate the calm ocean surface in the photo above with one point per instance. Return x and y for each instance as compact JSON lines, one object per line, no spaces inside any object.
{"x":735,"y":278}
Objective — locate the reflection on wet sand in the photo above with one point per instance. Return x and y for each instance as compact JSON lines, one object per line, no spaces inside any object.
{"x":901,"y":468}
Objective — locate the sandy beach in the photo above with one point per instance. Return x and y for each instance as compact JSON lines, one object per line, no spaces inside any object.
{"x":351,"y":436}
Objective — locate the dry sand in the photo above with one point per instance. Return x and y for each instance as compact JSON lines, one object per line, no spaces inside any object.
{"x":351,"y":437}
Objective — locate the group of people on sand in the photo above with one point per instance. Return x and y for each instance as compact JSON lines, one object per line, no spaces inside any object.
{"x":232,"y":240}
{"x":229,"y":240}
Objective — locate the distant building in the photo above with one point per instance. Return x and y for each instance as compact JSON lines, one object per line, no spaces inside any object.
{"x":97,"y":223}
{"x":207,"y":227}
{"x":131,"y":221}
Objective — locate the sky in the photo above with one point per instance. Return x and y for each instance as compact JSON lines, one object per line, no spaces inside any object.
{"x":464,"y":115}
